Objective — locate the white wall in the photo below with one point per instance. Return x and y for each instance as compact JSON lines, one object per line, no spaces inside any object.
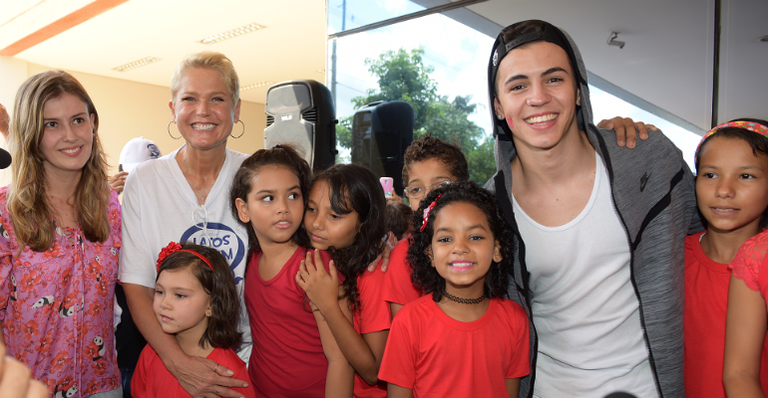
{"x":128,"y":109}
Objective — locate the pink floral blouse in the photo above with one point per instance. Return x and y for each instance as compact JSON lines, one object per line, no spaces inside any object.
{"x":749,"y":262}
{"x":56,"y":306}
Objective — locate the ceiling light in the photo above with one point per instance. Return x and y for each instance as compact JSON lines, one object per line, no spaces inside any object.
{"x":613,"y":42}
{"x":763,"y":39}
{"x":256,"y":85}
{"x":136,"y":64}
{"x":231,"y":33}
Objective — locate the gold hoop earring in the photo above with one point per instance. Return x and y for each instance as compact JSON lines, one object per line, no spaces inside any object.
{"x":241,"y":134}
{"x":168,"y":128}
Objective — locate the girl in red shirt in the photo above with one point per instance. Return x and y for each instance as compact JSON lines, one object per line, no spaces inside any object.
{"x":345,"y":216}
{"x":197,"y":302}
{"x":463,"y":339}
{"x":294,"y":353}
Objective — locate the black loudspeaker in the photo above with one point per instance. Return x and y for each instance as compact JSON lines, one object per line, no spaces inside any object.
{"x":381,"y":131}
{"x":301,"y":113}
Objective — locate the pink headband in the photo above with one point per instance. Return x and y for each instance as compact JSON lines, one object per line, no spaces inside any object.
{"x":174,"y":247}
{"x":751,"y":126}
{"x":426,"y":213}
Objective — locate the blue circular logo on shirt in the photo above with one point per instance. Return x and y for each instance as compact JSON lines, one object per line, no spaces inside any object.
{"x":220,"y":237}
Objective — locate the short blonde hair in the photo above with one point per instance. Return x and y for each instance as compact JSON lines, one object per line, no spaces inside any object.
{"x":208,"y":60}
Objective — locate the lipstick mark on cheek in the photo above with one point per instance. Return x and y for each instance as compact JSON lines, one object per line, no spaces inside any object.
{"x":510,"y":123}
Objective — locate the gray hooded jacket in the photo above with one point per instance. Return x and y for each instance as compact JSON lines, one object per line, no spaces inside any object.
{"x":653,"y":194}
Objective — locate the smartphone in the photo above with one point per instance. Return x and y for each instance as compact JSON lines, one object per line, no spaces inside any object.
{"x":387,"y":183}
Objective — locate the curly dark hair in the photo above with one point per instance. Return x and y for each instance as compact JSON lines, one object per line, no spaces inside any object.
{"x":218,"y":281}
{"x":280,"y":155}
{"x":429,"y":147}
{"x":355,"y":188}
{"x":424,"y":275}
{"x":757,"y":142}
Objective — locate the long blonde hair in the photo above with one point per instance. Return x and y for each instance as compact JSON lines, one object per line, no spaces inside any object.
{"x":27,"y":206}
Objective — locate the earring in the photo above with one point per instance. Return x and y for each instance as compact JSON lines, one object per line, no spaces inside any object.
{"x":168,"y":128}
{"x":241,"y":134}
{"x":500,"y":117}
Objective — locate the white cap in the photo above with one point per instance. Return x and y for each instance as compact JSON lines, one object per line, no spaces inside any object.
{"x":136,"y":151}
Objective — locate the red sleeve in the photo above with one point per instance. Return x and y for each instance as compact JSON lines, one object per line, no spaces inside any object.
{"x":374,"y":315}
{"x":520,"y":365}
{"x":749,"y":259}
{"x":398,"y":366}
{"x":139,"y":387}
{"x":229,"y":359}
{"x":398,"y":287}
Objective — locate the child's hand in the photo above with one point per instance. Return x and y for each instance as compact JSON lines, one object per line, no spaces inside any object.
{"x":627,"y":130}
{"x":16,"y":379}
{"x":386,"y":249}
{"x":321,"y":287}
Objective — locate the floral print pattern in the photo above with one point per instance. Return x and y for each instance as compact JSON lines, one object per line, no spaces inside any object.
{"x":749,"y":258}
{"x":56,"y":306}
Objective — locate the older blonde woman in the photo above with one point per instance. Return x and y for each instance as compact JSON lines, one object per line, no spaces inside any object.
{"x":183,"y":196}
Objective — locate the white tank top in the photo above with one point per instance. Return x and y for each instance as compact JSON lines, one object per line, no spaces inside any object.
{"x":584,"y":306}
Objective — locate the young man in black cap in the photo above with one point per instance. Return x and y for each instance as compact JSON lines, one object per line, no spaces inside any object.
{"x":600,"y":228}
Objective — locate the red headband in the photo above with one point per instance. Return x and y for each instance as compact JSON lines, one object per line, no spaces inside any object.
{"x":426,"y":213}
{"x":174,"y":247}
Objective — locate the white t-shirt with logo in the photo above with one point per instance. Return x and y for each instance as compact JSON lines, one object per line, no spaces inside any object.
{"x":160,"y":207}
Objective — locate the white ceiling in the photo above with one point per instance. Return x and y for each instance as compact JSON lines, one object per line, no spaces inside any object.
{"x":666,"y":63}
{"x":668,"y":57}
{"x":291,"y":47}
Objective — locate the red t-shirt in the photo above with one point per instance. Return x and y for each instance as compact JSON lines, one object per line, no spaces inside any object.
{"x":438,"y":356}
{"x":152,"y":379}
{"x":287,"y":358}
{"x":373,"y":316}
{"x":706,"y":302}
{"x":398,"y":287}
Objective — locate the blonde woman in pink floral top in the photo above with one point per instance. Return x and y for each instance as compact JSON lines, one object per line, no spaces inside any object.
{"x":59,"y":242}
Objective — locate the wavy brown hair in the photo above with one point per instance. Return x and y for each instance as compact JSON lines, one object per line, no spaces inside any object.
{"x":218,"y":281}
{"x":353,"y":187}
{"x":27,"y":206}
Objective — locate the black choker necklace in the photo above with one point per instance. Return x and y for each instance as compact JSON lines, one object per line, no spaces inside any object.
{"x":462,"y":300}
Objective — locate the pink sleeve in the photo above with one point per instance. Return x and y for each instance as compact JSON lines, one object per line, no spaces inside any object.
{"x":398,"y":366}
{"x":6,"y":257}
{"x":749,"y":259}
